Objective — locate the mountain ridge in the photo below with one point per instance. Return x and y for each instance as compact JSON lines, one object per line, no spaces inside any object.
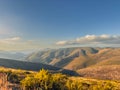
{"x":77,"y":57}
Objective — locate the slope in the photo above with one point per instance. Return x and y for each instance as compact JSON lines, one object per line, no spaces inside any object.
{"x":32,"y":66}
{"x":107,"y":72}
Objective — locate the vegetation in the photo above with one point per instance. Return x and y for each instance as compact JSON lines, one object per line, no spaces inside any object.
{"x":13,"y":75}
{"x":47,"y":81}
{"x":43,"y":80}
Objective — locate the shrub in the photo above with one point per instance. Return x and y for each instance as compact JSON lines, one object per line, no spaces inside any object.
{"x":44,"y":80}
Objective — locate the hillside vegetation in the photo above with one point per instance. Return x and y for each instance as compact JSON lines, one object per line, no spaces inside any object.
{"x":10,"y":78}
{"x":47,"y":81}
{"x":43,"y":80}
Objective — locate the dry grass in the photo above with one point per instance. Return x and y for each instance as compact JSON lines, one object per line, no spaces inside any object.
{"x":108,"y":72}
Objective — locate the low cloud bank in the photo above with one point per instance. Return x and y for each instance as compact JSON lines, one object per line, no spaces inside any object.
{"x":105,"y":40}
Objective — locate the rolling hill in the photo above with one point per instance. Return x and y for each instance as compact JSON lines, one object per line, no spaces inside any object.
{"x":33,"y":66}
{"x":106,"y":72}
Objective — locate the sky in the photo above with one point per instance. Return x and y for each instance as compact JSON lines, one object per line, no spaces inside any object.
{"x":38,"y":24}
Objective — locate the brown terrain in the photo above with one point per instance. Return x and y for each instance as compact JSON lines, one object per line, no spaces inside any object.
{"x":77,"y":58}
{"x":5,"y":83}
{"x":100,"y":63}
{"x":108,"y":72}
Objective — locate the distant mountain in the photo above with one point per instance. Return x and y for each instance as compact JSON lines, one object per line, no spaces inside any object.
{"x":12,"y":55}
{"x":8,"y":63}
{"x":77,"y":57}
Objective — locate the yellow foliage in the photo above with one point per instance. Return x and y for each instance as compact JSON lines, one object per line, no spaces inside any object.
{"x":46,"y":81}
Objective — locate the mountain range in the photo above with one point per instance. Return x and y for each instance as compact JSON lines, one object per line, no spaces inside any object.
{"x":77,"y":58}
{"x":100,"y":63}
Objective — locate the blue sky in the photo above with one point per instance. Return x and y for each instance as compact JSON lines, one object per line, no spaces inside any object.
{"x":45,"y":23}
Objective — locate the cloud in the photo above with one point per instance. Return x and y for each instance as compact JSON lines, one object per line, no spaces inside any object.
{"x":13,"y":39}
{"x":61,"y":43}
{"x":9,"y":41}
{"x":17,"y":43}
{"x":105,"y":40}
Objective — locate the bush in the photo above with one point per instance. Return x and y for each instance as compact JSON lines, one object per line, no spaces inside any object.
{"x":47,"y":81}
{"x":44,"y":80}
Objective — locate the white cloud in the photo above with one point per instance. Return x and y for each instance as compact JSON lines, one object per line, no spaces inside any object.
{"x":17,"y":43}
{"x":13,"y":39}
{"x":105,"y":40}
{"x":61,"y":42}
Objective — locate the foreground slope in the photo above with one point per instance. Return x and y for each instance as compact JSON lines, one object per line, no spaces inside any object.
{"x":11,"y":79}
